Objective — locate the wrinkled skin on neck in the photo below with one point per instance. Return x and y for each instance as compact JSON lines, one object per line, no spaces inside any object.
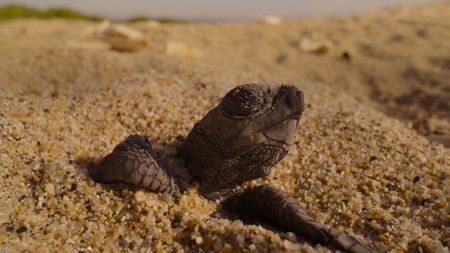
{"x":243,"y":137}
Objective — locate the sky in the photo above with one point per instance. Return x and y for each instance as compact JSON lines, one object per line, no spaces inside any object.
{"x":214,"y":10}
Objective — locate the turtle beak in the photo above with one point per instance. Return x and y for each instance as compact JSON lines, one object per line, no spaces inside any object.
{"x":295,"y":100}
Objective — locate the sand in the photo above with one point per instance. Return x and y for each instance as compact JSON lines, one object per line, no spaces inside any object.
{"x":360,"y":161}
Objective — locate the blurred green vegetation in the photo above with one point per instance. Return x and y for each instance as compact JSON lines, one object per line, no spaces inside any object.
{"x":161,"y":20}
{"x":20,"y":11}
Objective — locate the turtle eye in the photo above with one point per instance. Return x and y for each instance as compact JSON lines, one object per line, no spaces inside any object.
{"x":244,"y":100}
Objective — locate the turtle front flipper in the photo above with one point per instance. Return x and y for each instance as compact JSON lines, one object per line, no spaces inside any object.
{"x":132,"y":162}
{"x":268,"y":204}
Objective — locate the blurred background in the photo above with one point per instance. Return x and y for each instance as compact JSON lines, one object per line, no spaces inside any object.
{"x":206,"y":10}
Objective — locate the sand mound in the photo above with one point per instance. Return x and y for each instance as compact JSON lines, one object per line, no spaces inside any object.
{"x":67,"y":100}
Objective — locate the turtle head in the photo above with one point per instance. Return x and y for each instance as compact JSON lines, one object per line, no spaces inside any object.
{"x":137,"y":141}
{"x":243,"y":137}
{"x":271,"y":113}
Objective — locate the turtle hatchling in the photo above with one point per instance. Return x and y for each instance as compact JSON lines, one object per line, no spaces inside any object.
{"x":239,"y":140}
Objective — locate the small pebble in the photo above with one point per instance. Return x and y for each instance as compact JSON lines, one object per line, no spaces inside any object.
{"x":50,"y":189}
{"x":22,"y":229}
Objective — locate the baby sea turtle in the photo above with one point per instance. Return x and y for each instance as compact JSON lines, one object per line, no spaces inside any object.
{"x":239,"y":140}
